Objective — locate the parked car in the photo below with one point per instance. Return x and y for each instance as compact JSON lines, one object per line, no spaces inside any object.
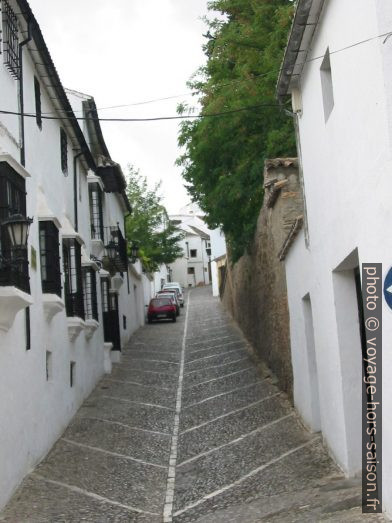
{"x":161,"y":308}
{"x":177,"y":286}
{"x":172,"y":294}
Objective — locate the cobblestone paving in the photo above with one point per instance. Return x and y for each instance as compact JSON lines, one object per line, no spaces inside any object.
{"x":187,"y":428}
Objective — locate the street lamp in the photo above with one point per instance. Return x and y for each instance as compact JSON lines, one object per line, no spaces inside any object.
{"x":18,"y":230}
{"x":111,"y":250}
{"x":134,"y":252}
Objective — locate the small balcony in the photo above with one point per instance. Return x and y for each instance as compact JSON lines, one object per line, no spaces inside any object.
{"x":14,"y":270}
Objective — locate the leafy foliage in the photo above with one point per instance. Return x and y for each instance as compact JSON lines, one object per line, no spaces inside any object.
{"x":149,"y":225}
{"x":224,"y":156}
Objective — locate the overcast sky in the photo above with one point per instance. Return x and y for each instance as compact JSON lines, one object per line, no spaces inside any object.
{"x":124,"y":52}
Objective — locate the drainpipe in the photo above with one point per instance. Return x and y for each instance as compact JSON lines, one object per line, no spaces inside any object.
{"x":75,"y":183}
{"x":21,"y":97}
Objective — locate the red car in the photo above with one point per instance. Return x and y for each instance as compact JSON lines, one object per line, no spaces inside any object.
{"x":161,"y":308}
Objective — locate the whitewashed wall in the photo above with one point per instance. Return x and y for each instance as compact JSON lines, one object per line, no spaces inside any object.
{"x":347,"y":163}
{"x":33,"y":411}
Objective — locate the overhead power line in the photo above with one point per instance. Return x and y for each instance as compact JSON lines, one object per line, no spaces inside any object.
{"x":241,"y":80}
{"x":154,"y":119}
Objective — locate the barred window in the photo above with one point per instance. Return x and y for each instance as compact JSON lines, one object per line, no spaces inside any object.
{"x":38,"y":111}
{"x":90,"y":293}
{"x":50,"y":258}
{"x":12,"y":201}
{"x":96,"y":213}
{"x":10,"y":40}
{"x":73,"y":282}
{"x":64,"y":151}
{"x":105,"y":286}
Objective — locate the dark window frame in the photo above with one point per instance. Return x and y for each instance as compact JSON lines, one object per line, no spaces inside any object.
{"x":49,"y":245}
{"x":12,"y":201}
{"x":90,"y":293}
{"x":38,"y":106}
{"x":96,"y":211}
{"x":64,"y":151}
{"x":73,"y":278}
{"x":10,"y":37}
{"x":193,"y":251}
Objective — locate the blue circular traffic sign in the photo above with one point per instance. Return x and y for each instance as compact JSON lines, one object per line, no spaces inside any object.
{"x":388,"y":288}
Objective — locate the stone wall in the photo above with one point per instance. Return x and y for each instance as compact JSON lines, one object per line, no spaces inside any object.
{"x":255,"y":291}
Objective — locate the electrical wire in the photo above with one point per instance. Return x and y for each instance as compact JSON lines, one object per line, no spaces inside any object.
{"x":47,"y":116}
{"x":154,"y":119}
{"x":239,"y":80}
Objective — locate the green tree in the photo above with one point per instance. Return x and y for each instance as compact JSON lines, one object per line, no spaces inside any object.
{"x":149,"y":224}
{"x":224,"y":156}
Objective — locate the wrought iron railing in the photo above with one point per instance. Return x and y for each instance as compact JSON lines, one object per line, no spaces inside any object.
{"x":73,"y":283}
{"x":90,"y":293}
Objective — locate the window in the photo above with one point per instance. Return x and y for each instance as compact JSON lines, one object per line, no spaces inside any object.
{"x":38,"y":111}
{"x":191,"y":270}
{"x":50,"y":258}
{"x":72,"y":372}
{"x":96,"y":214}
{"x":12,"y":201}
{"x":326,"y":85}
{"x":64,"y":151}
{"x":193,"y":253}
{"x":10,"y":40}
{"x":90,"y":293}
{"x":73,"y":283}
{"x":48,"y":365}
{"x":124,"y":322}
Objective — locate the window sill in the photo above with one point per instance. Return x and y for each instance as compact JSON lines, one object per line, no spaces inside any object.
{"x":90,"y":327}
{"x":53,"y":304}
{"x":12,"y":300}
{"x":75,"y":327}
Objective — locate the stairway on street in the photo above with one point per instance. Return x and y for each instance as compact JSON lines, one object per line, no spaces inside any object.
{"x":187,"y":428}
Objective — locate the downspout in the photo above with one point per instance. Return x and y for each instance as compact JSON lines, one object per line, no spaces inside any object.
{"x":75,"y":183}
{"x":21,"y":97}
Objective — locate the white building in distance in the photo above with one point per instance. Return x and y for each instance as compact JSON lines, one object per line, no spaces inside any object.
{"x":338,"y":70}
{"x":194,"y":267}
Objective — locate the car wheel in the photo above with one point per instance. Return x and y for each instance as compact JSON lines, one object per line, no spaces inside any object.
{"x":149,"y":320}
{"x":174,"y":319}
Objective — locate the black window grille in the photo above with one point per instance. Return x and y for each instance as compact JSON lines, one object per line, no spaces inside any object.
{"x":105,"y":294}
{"x":14,"y":265}
{"x":90,"y":293}
{"x":64,"y":151}
{"x":73,"y":282}
{"x":10,"y":40}
{"x":96,"y":213}
{"x":38,"y":110}
{"x":50,"y":258}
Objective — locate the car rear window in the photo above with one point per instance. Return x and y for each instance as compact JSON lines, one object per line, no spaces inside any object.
{"x":160,"y":302}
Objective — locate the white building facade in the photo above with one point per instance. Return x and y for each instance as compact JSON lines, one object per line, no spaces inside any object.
{"x":338,"y":71}
{"x":194,"y":267}
{"x":70,"y":300}
{"x":218,"y":260}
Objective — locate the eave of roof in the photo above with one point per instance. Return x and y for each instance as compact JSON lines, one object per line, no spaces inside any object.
{"x":304,"y":25}
{"x":53,"y":78}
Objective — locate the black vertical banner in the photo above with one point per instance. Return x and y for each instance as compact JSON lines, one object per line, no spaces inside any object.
{"x":371,"y":333}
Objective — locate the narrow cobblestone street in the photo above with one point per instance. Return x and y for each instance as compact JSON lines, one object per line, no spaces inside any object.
{"x":187,"y":428}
